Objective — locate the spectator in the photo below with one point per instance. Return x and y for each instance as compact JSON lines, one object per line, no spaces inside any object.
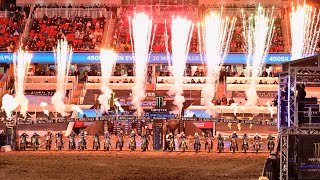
{"x":224,"y":100}
{"x":260,"y":82}
{"x":231,"y":101}
{"x":76,"y":73}
{"x":235,"y":82}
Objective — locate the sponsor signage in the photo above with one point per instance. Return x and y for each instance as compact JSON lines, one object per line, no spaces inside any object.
{"x":261,"y":94}
{"x":157,"y":134}
{"x":40,"y":92}
{"x":155,"y":58}
{"x":309,"y":157}
{"x":148,"y":116}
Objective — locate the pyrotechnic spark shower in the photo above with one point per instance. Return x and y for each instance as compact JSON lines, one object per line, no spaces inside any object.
{"x":217,"y":32}
{"x":181,"y":31}
{"x":108,"y":59}
{"x":304,"y":31}
{"x":258,"y":31}
{"x":21,"y":62}
{"x":63,"y":55}
{"x":140,"y":33}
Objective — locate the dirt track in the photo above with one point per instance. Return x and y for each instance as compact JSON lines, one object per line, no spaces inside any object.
{"x":130,"y":165}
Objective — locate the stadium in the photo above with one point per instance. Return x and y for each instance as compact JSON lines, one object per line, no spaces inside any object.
{"x":160,"y":89}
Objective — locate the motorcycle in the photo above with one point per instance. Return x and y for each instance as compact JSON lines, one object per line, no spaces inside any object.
{"x":23,"y":144}
{"x":107,"y":144}
{"x":96,"y":143}
{"x":233,"y":145}
{"x":220,"y":145}
{"x":183,"y":145}
{"x":120,"y":144}
{"x":132,"y":144}
{"x":59,"y":143}
{"x":270,"y":146}
{"x":197,"y":146}
{"x":256,"y":146}
{"x":48,"y":143}
{"x":35,"y":145}
{"x":245,"y":145}
{"x":71,"y":144}
{"x":144,"y":144}
{"x":82,"y":145}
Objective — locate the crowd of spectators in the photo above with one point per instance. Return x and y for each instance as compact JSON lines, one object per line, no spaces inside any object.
{"x":12,"y":27}
{"x":223,"y":101}
{"x":83,"y":33}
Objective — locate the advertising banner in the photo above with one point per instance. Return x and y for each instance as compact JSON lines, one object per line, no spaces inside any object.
{"x":157,"y":134}
{"x":309,"y":157}
{"x":155,"y":58}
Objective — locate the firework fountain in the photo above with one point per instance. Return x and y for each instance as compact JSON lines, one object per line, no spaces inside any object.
{"x":108,"y":59}
{"x":63,"y":56}
{"x":258,"y":31}
{"x":216,"y":32}
{"x":21,"y":62}
{"x":181,"y":31}
{"x":140,"y":33}
{"x":304,"y":31}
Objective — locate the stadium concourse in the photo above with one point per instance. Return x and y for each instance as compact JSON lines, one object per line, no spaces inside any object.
{"x":61,"y":85}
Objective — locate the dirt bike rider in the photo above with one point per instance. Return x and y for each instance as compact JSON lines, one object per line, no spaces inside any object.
{"x":145,"y":137}
{"x":234,"y":136}
{"x":24,"y":137}
{"x":96,"y":135}
{"x":48,"y":137}
{"x":270,"y":139}
{"x":220,"y":139}
{"x":133,"y":137}
{"x":120,"y":138}
{"x":183,"y":139}
{"x":257,"y":139}
{"x":59,"y":135}
{"x":196,"y":140}
{"x":35,"y":137}
{"x":209,"y":140}
{"x":170,"y":139}
{"x":82,"y":136}
{"x":72,"y":136}
{"x":245,"y":139}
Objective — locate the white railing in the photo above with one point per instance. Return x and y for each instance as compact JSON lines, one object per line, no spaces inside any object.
{"x":186,"y":80}
{"x":45,"y":86}
{"x":247,"y":80}
{"x":71,"y":12}
{"x":259,"y":87}
{"x":47,"y":79}
{"x":113,"y":79}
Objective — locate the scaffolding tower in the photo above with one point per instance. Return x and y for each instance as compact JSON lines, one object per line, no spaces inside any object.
{"x":304,"y":71}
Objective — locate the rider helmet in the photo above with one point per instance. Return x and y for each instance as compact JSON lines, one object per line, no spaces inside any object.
{"x":132,"y":132}
{"x":234,"y":132}
{"x":196,"y":134}
{"x":257,"y":134}
{"x":121,"y":131}
{"x":182,"y":132}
